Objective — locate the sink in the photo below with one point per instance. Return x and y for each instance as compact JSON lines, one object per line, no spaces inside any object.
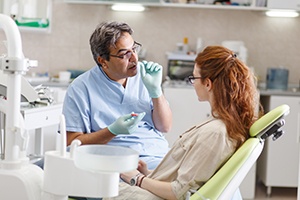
{"x":105,"y":158}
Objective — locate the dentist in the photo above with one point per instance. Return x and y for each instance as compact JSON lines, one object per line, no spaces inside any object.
{"x":119,"y":101}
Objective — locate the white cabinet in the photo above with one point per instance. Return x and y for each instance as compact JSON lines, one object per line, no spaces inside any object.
{"x":287,"y":4}
{"x":278,"y":164}
{"x":38,"y":119}
{"x":188,"y":111}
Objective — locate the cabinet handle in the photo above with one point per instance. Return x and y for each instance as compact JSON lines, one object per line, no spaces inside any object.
{"x":298,"y":129}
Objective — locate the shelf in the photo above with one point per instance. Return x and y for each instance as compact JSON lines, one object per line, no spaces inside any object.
{"x":32,"y":29}
{"x":162,"y":3}
{"x":208,"y":6}
{"x":110,"y":2}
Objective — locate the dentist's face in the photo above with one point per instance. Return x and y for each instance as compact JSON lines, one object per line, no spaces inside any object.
{"x":123,"y":60}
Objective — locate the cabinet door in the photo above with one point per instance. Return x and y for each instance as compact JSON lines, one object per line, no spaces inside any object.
{"x":187,"y":110}
{"x":280,"y":158}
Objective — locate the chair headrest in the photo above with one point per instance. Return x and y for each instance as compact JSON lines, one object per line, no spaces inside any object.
{"x":267,"y":121}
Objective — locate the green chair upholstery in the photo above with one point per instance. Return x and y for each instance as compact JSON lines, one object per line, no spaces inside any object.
{"x":223,"y":184}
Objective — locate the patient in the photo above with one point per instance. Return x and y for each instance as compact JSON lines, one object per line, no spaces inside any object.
{"x":220,"y":78}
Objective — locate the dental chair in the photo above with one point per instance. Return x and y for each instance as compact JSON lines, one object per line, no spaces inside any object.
{"x":226,"y":181}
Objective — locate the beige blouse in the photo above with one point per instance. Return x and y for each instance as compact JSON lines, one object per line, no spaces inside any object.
{"x":192,"y":160}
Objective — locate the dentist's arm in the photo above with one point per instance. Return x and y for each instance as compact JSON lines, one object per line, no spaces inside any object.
{"x":123,"y":125}
{"x":151,"y":74}
{"x":162,"y":115}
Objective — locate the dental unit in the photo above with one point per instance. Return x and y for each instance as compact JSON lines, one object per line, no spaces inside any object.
{"x":87,"y":170}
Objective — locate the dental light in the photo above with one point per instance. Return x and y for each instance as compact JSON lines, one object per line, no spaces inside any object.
{"x":282,"y":13}
{"x":128,"y":7}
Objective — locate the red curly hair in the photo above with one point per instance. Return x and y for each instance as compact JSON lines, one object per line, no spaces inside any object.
{"x":236,"y":99}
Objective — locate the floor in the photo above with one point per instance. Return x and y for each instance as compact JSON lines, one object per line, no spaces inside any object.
{"x":277,"y":193}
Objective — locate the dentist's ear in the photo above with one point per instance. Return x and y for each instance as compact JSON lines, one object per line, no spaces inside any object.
{"x":102,"y":61}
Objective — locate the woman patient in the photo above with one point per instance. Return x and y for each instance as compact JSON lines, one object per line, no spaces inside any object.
{"x":220,"y":78}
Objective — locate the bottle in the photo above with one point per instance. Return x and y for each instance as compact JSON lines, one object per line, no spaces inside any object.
{"x":185,"y":45}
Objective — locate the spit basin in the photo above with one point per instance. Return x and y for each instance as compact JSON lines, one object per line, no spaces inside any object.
{"x":105,"y":158}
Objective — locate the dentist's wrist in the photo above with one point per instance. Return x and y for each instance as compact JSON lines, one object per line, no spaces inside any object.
{"x":156,"y":94}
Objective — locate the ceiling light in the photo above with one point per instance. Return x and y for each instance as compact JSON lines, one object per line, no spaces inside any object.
{"x":128,"y":7}
{"x":282,"y":13}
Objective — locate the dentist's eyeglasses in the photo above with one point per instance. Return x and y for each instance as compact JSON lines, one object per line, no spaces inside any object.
{"x":127,"y":55}
{"x":191,"y":79}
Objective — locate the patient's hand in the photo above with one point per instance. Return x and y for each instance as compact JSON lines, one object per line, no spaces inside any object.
{"x":143,"y":168}
{"x":128,"y":175}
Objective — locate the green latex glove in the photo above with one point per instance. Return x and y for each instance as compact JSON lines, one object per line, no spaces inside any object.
{"x":126,"y":124}
{"x":151,"y":74}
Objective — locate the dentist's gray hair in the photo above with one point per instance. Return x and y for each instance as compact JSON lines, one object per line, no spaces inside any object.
{"x":106,"y":35}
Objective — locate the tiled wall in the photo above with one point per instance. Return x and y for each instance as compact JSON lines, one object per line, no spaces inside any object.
{"x":271,"y":42}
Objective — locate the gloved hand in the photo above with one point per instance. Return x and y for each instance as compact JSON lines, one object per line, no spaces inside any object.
{"x":151,"y":74}
{"x":126,"y":124}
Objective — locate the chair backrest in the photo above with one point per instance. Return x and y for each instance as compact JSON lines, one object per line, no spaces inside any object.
{"x":227,"y":179}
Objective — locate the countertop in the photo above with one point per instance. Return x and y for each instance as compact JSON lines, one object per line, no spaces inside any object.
{"x":50,"y":83}
{"x":289,"y":92}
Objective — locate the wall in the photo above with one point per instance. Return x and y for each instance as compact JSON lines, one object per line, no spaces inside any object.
{"x":271,"y":42}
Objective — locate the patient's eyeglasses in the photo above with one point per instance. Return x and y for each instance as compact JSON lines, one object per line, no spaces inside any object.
{"x":191,"y":79}
{"x":127,"y":55}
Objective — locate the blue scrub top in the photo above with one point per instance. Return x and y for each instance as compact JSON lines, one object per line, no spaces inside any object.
{"x":93,"y":102}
